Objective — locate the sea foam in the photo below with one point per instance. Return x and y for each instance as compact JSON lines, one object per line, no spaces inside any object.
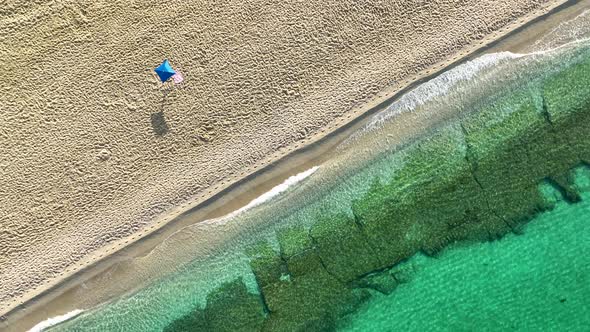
{"x":267,"y":196}
{"x":55,"y":320}
{"x":434,"y":88}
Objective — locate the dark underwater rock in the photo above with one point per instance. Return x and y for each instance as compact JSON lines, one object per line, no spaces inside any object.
{"x":266,"y":264}
{"x":343,"y":248}
{"x":232,"y":308}
{"x":383,"y":282}
{"x":311,"y":298}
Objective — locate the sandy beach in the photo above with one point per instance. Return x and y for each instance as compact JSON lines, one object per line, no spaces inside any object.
{"x":98,"y":154}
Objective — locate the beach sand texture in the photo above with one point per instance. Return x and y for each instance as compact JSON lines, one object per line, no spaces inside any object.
{"x":94,"y":148}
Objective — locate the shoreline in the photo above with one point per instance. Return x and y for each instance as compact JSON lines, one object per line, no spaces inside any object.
{"x":205,"y":203}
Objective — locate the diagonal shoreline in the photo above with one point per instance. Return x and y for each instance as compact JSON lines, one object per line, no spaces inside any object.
{"x":338,"y":127}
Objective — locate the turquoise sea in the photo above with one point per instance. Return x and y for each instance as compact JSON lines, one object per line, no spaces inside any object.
{"x":480,"y":223}
{"x":536,"y":281}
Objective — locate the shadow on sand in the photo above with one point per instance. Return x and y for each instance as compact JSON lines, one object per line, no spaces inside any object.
{"x":159,"y":123}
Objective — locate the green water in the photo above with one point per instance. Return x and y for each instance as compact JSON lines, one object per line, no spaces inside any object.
{"x":538,"y":281}
{"x":322,"y":256}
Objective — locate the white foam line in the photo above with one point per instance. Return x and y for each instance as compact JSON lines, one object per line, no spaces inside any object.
{"x":278,"y":189}
{"x":55,"y":320}
{"x":430,"y":90}
{"x":438,"y":86}
{"x":275,"y":191}
{"x":565,"y":27}
{"x":443,"y":83}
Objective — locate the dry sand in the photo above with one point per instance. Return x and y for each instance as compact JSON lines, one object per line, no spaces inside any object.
{"x":96,"y":153}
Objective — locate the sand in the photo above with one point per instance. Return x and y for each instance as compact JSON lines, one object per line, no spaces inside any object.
{"x":96,"y":153}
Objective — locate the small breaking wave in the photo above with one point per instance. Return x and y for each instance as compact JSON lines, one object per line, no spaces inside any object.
{"x":437,"y":87}
{"x":444,"y":84}
{"x":267,"y":196}
{"x":55,"y":320}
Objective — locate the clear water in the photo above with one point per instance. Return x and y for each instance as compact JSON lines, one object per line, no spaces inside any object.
{"x":538,"y":281}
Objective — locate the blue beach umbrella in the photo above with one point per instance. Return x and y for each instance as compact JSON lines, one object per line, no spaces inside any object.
{"x":165,"y":71}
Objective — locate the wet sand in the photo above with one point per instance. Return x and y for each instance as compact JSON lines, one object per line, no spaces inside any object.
{"x":65,"y":297}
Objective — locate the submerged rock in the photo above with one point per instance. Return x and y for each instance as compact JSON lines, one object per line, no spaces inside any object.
{"x":566,"y":98}
{"x":266,"y":264}
{"x":343,"y":248}
{"x":233,"y":308}
{"x":383,"y":282}
{"x":311,"y":299}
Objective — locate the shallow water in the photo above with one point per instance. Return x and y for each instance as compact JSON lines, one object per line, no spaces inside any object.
{"x":524,"y":282}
